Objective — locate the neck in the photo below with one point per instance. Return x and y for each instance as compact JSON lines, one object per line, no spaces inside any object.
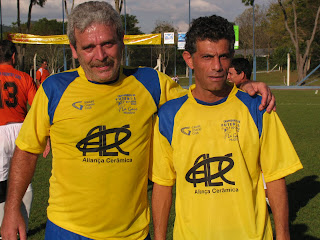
{"x":211,"y":96}
{"x":6,"y":63}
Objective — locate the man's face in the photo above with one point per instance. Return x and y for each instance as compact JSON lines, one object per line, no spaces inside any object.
{"x":234,"y":77}
{"x":210,"y":63}
{"x":99,"y":52}
{"x":44,"y":65}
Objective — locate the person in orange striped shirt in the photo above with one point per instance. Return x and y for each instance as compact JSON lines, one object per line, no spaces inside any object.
{"x":42,"y":72}
{"x":16,"y":89}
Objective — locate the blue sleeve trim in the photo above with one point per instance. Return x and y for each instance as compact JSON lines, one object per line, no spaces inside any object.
{"x":54,"y":87}
{"x":252,"y":104}
{"x":150,"y":80}
{"x":167,"y":114}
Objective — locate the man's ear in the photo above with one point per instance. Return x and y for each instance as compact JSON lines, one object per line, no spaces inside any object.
{"x":243,"y":75}
{"x":13,"y":58}
{"x":188,"y":59}
{"x":74,"y":52}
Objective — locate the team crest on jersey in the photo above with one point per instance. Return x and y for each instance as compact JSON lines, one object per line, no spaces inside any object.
{"x":193,"y":130}
{"x":211,"y":172}
{"x":127,"y":103}
{"x":231,"y":129}
{"x":106,"y":142}
{"x":206,"y":169}
{"x":81,"y":105}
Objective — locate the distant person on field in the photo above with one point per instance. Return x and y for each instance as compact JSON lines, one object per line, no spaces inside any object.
{"x":42,"y":72}
{"x":16,"y":89}
{"x":176,"y":79}
{"x":240,"y":71}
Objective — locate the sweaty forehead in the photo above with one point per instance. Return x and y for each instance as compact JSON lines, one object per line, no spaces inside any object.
{"x":95,"y":34}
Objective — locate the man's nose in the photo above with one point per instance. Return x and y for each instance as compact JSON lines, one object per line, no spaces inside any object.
{"x":216,"y":64}
{"x":100,"y":54}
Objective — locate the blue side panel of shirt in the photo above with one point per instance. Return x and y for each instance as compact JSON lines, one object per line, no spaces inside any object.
{"x":252,"y":104}
{"x":150,"y":80}
{"x":54,"y":87}
{"x":167,"y":114}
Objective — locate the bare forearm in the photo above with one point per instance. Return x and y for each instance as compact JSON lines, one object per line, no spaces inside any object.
{"x":278,"y":198}
{"x":161,"y":204}
{"x":21,"y":171}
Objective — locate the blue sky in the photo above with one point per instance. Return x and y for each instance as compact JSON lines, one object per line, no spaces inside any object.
{"x":147,"y":11}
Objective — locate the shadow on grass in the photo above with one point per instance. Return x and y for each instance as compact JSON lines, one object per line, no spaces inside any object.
{"x":34,"y":231}
{"x":299,"y":194}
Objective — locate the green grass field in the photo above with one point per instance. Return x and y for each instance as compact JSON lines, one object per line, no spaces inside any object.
{"x":299,"y":111}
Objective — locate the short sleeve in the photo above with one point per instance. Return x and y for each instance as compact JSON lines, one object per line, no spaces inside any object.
{"x":278,"y":157}
{"x":161,"y":170}
{"x":35,"y":128}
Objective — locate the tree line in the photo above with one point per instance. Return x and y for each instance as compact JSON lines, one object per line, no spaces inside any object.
{"x":287,"y":26}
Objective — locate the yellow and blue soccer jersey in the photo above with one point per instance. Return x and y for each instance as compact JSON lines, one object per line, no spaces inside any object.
{"x":214,"y":153}
{"x":100,"y":136}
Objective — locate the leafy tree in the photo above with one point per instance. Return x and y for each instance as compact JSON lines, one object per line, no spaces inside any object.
{"x":248,"y":2}
{"x":22,"y":48}
{"x":53,"y":53}
{"x":301,"y":21}
{"x":137,"y":55}
{"x":244,"y":20}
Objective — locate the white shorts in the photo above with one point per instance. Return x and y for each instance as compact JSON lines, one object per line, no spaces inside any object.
{"x":8,"y":135}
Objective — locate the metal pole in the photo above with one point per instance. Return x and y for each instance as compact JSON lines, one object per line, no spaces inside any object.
{"x":1,"y":19}
{"x":175,"y":60}
{"x":125,"y":32}
{"x":254,"y":49}
{"x":288,"y":69}
{"x":190,"y":70}
{"x":64,"y":50}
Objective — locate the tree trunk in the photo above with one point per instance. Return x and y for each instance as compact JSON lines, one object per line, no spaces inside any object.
{"x":301,"y":60}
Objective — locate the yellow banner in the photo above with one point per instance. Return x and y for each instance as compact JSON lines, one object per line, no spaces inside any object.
{"x":36,"y":39}
{"x":145,"y":39}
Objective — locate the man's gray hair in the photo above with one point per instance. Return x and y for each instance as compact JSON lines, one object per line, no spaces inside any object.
{"x":87,"y":13}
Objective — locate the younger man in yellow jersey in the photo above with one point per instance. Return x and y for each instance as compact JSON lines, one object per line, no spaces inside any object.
{"x":99,"y":117}
{"x":213,"y":143}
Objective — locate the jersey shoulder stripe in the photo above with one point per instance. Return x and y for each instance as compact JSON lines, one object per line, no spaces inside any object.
{"x":252,"y":103}
{"x":149,"y":78}
{"x":54,"y":87}
{"x":167,"y":114}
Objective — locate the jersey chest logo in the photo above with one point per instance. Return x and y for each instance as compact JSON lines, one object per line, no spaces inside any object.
{"x":206,"y":169}
{"x":107,"y":142}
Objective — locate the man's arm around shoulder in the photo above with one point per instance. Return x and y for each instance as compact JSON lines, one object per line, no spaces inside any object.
{"x":21,"y":172}
{"x":268,"y":101}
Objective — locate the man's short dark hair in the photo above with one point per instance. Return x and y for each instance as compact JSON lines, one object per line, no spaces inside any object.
{"x":213,"y":28}
{"x":242,"y":65}
{"x":7,"y":49}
